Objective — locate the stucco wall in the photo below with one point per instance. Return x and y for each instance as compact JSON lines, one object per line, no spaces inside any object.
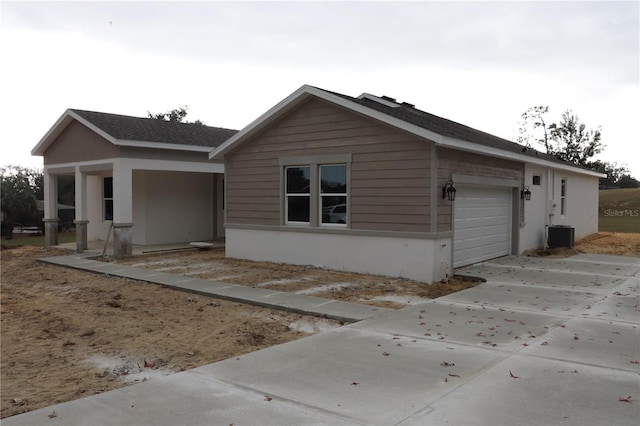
{"x":420,"y":259}
{"x":535,"y":218}
{"x":582,"y":203}
{"x":78,"y":143}
{"x":178,"y":206}
{"x":97,"y":228}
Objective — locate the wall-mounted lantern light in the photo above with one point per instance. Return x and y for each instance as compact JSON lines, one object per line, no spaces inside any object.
{"x":525,"y":194}
{"x":449,"y":191}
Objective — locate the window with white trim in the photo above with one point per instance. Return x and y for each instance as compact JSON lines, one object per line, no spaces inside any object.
{"x":315,"y":191}
{"x":563,"y":197}
{"x":107,"y":195}
{"x":333,"y":194}
{"x":297,"y":194}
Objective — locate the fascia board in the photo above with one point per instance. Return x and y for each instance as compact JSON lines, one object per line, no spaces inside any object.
{"x":460,"y":144}
{"x":51,"y":134}
{"x":160,"y":145}
{"x":298,"y":96}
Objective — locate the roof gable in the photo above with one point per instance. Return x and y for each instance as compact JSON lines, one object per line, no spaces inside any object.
{"x":404,"y":116}
{"x":125,"y":130}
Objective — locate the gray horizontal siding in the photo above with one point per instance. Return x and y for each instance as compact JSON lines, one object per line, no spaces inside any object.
{"x":451,"y":161}
{"x":390,"y":179}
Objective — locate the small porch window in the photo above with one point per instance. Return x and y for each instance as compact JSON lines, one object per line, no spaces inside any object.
{"x":107,"y":191}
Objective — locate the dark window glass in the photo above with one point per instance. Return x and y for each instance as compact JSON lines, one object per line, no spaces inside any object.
{"x":334,"y":210}
{"x":298,"y":209}
{"x":298,"y":185}
{"x":298,"y":180}
{"x":108,"y":209}
{"x":333,"y":179}
{"x":108,"y":187}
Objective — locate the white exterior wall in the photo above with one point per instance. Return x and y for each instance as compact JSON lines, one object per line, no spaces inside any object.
{"x":424,"y":260}
{"x":139,"y":207}
{"x":97,"y":228}
{"x":533,"y":228}
{"x":582,"y":203}
{"x":178,"y":207}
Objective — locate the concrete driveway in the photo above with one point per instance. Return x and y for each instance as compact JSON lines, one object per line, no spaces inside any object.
{"x":542,"y":342}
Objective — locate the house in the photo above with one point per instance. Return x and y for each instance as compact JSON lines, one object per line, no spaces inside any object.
{"x":149,"y":180}
{"x":373,"y":185}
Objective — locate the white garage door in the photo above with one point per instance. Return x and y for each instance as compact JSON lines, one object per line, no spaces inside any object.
{"x":482,"y":224}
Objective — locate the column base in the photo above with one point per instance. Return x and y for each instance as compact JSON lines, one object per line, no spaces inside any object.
{"x":81,"y":235}
{"x":122,"y":240}
{"x":50,"y":232}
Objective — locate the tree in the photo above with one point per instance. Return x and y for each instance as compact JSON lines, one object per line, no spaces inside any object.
{"x":614,"y":173}
{"x":626,"y":181}
{"x":567,"y":140}
{"x":573,"y":142}
{"x":534,"y":128}
{"x":177,"y":115}
{"x":18,"y":198}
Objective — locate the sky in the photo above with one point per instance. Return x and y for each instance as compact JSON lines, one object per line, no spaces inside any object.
{"x":479,"y":63}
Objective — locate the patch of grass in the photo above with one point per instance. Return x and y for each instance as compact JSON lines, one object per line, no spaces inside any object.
{"x":619,"y":210}
{"x":36,"y":240}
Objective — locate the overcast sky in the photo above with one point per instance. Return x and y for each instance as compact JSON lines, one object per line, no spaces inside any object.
{"x":478,"y":63}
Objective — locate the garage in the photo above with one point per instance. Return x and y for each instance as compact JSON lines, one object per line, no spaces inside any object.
{"x":482,"y":224}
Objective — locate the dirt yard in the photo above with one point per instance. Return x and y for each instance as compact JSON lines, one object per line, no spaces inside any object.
{"x":68,"y":334}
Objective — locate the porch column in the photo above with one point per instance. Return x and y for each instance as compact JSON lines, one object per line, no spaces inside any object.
{"x":81,"y":210}
{"x":50,"y":209}
{"x":122,"y":210}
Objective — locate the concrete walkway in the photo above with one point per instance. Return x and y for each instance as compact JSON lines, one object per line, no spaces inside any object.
{"x":542,"y":342}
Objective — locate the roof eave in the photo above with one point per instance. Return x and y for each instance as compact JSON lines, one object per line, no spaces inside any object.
{"x":306,"y":91}
{"x":162,"y":145}
{"x":500,"y":153}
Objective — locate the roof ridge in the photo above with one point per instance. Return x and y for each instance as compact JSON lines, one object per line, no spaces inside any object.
{"x":146,"y":118}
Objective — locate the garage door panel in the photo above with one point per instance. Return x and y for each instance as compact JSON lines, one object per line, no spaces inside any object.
{"x":482,"y":224}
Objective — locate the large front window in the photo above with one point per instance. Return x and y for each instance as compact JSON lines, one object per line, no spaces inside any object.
{"x":316,"y":193}
{"x":298,"y":194}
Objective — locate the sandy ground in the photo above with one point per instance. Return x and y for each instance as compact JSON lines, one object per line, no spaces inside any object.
{"x":372,"y":290}
{"x":66,"y":334}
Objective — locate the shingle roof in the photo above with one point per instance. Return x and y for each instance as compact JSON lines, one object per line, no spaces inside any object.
{"x":128,"y":128}
{"x":445,"y":127}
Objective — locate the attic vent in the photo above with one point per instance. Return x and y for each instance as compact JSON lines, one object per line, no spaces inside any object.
{"x":387,"y":98}
{"x":407,"y":104}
